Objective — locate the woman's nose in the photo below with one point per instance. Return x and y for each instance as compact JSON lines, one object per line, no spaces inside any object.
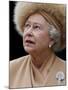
{"x":28,"y":32}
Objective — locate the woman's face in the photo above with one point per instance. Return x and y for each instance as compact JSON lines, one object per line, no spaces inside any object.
{"x":35,"y":35}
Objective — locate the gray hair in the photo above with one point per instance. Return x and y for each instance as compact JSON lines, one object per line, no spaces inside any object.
{"x":56,"y":36}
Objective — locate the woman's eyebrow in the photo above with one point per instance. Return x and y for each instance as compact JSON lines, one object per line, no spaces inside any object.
{"x":27,"y":22}
{"x":34,"y":22}
{"x":37,"y":23}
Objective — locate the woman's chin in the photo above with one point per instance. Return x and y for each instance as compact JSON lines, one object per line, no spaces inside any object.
{"x":29,"y":49}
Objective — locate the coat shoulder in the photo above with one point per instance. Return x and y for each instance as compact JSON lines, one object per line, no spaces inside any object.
{"x":60,"y":64}
{"x":17,"y":62}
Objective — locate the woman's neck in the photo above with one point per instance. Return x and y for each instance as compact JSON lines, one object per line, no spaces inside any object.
{"x":39,"y":58}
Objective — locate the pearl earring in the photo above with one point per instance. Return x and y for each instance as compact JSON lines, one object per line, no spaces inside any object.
{"x":49,"y":45}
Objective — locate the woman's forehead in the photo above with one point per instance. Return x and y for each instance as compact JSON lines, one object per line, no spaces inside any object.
{"x":37,"y":19}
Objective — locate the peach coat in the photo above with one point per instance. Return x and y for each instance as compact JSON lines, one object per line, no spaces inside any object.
{"x":23,"y":73}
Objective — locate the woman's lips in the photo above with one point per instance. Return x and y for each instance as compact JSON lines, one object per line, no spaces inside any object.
{"x":29,"y":42}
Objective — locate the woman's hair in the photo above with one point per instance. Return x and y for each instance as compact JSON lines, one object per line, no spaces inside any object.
{"x":56,"y":36}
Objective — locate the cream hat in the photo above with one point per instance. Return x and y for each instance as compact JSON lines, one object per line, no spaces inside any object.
{"x":56,"y":14}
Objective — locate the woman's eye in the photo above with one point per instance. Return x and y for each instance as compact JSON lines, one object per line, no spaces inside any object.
{"x":27,"y":25}
{"x":36,"y":27}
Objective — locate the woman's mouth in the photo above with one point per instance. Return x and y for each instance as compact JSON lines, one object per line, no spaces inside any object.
{"x":29,"y":42}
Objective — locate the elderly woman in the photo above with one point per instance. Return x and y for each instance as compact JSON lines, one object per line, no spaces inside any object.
{"x":42,"y":27}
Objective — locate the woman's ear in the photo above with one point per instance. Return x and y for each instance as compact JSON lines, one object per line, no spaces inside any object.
{"x":51,"y":43}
